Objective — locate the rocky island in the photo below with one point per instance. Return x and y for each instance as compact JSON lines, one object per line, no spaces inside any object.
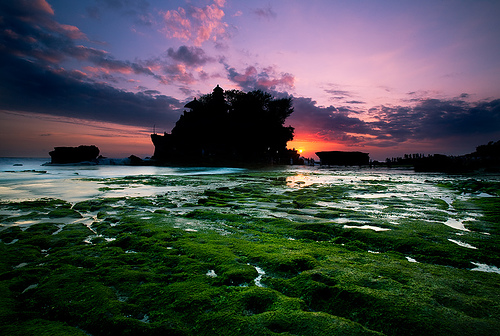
{"x":63,"y":155}
{"x":229,"y":128}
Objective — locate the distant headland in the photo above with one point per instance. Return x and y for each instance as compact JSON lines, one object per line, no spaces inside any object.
{"x":485,"y":158}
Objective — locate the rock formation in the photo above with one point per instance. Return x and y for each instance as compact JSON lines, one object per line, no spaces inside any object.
{"x":229,"y":127}
{"x":339,"y":158}
{"x":74,"y":154}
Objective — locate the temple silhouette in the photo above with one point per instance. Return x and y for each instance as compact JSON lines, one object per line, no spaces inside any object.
{"x":229,"y":127}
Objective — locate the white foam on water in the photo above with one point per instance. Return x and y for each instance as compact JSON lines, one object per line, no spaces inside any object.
{"x":460,"y":243}
{"x":485,"y":268}
{"x":457,"y":224}
{"x":261,"y":273}
{"x":366,"y":227}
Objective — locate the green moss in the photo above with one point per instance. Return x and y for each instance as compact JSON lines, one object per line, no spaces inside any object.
{"x":8,"y":306}
{"x":235,"y":274}
{"x":40,"y":205}
{"x":39,"y":327}
{"x":154,"y":278}
{"x":97,"y":204}
{"x":473,"y":186}
{"x":139,"y":202}
{"x":64,"y":212}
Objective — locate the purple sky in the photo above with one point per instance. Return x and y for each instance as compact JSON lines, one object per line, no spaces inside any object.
{"x":383,"y":77}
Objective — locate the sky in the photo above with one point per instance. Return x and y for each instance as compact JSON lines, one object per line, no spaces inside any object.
{"x":381,"y":77}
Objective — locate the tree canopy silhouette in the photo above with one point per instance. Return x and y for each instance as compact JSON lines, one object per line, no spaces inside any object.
{"x":230,"y":127}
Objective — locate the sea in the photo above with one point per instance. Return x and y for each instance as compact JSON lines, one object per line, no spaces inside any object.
{"x":32,"y":178}
{"x":370,"y":190}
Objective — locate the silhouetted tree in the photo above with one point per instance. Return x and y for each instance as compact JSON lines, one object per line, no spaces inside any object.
{"x":492,"y":149}
{"x":231,"y":126}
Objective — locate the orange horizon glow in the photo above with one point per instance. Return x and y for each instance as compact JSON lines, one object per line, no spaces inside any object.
{"x":34,"y":135}
{"x":308,"y":148}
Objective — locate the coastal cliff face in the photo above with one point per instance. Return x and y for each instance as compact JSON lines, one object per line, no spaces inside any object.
{"x":229,"y":127}
{"x":78,"y":154}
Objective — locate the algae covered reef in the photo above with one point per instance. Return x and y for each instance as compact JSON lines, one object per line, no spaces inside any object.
{"x":299,"y":251}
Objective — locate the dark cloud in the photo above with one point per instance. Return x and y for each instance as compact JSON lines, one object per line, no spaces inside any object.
{"x":125,"y":5}
{"x":27,"y":29}
{"x":151,"y":92}
{"x":327,"y":123}
{"x":32,"y":33}
{"x":191,"y":56}
{"x":355,"y":102}
{"x":137,"y":9}
{"x":265,"y":79}
{"x":28,"y":87}
{"x":265,"y":13}
{"x":430,"y":120}
{"x":438,"y":118}
{"x":111,"y":64}
{"x":341,"y":93}
{"x":338,"y":95}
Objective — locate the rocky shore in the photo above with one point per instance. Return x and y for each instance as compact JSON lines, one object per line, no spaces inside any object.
{"x":256,"y":252}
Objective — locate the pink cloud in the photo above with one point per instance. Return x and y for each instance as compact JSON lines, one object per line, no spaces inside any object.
{"x":72,"y":32}
{"x":286,"y":80}
{"x":38,"y":5}
{"x":249,"y":73}
{"x":195,"y":24}
{"x":220,"y":3}
{"x":177,"y":73}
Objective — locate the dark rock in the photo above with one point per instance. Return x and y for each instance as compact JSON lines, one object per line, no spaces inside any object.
{"x":74,"y":154}
{"x":339,"y":158}
{"x":229,"y":128}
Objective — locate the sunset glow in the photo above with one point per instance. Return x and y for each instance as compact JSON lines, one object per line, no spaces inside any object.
{"x":386,"y":78}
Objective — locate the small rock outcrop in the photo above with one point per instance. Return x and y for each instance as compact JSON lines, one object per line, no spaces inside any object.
{"x":74,"y":154}
{"x":339,"y":158}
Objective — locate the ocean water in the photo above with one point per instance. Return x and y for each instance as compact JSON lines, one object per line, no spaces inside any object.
{"x":388,"y":196}
{"x":31,"y":178}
